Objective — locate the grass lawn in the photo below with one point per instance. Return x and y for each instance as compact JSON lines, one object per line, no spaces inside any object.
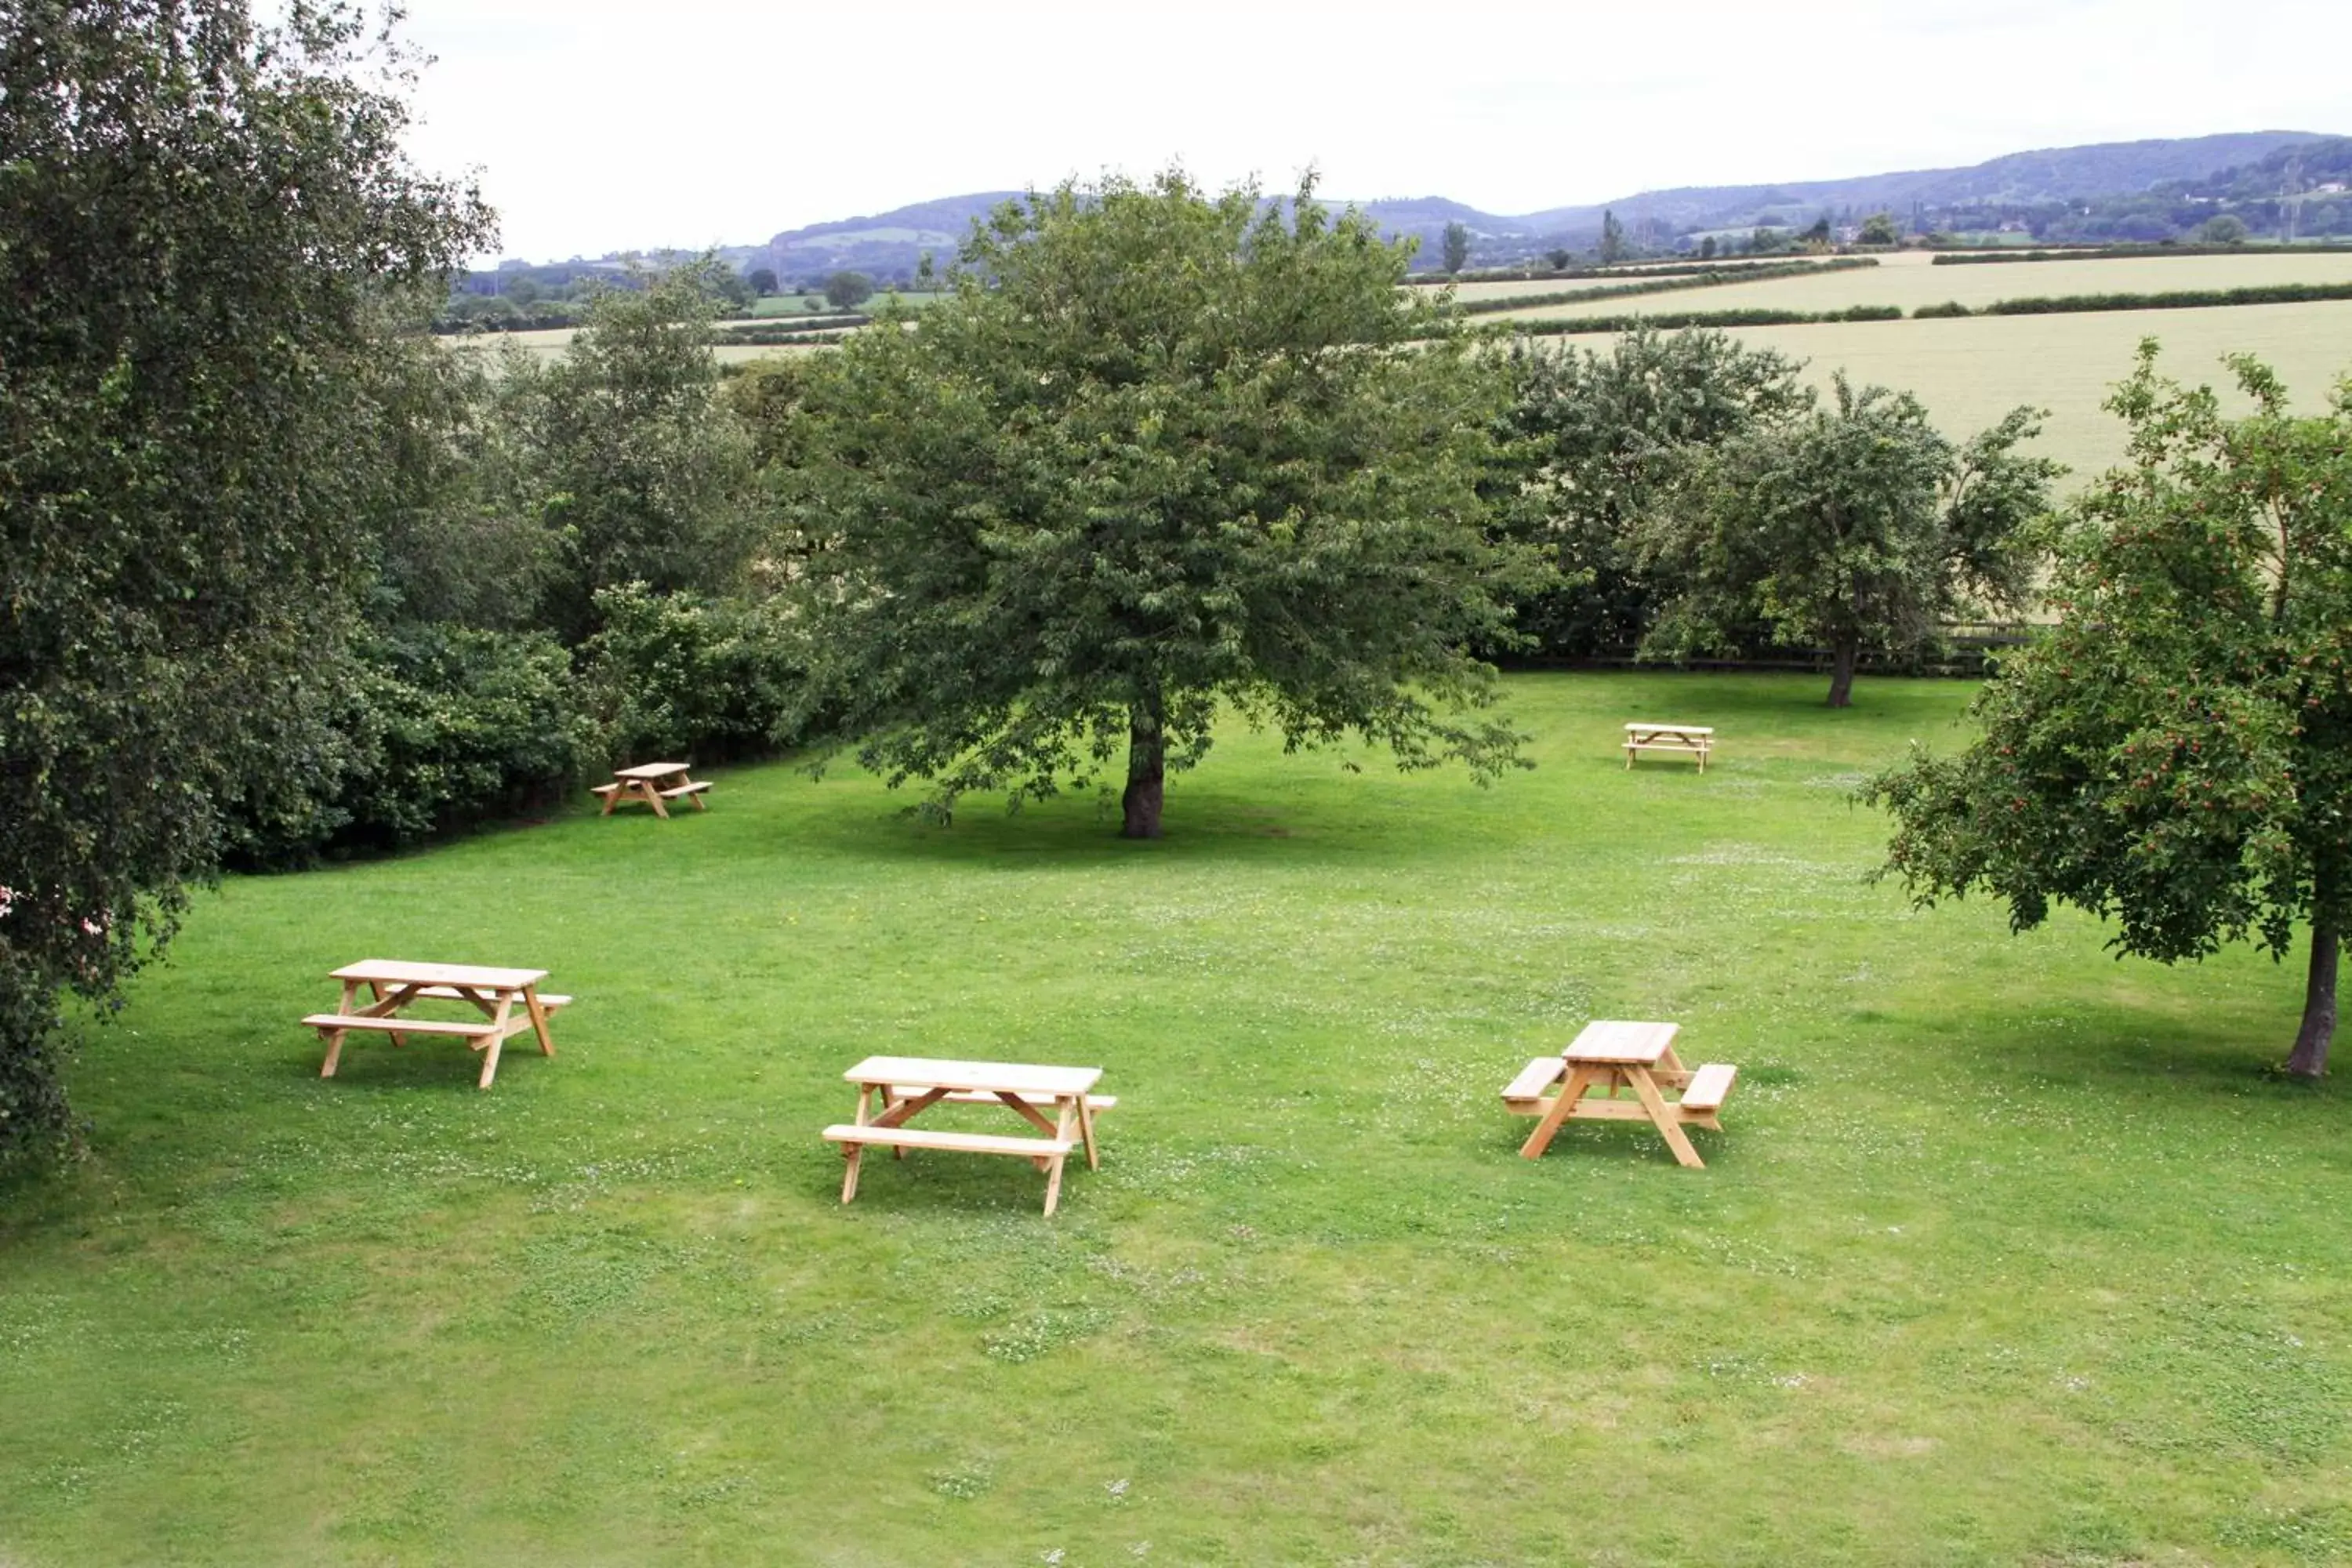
{"x":2008,"y":1252}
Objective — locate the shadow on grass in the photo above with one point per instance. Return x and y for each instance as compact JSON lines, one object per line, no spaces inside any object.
{"x":1199,"y":826}
{"x":2143,"y":1051}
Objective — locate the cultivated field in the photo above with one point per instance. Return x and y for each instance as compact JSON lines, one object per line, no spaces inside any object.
{"x":1629,"y":278}
{"x":1971,"y":371}
{"x":1914,"y":285}
{"x":2008,"y":1253}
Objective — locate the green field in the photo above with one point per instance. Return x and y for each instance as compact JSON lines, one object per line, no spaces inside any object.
{"x":1905,"y":280}
{"x":2008,"y":1253}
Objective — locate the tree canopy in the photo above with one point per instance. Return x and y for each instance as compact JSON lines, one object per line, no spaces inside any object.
{"x":1457,"y":247}
{"x":1596,"y":439}
{"x":2175,"y":753}
{"x":1847,"y":525}
{"x":1157,"y":454}
{"x":633,"y":463}
{"x":847,"y":290}
{"x":208,"y":233}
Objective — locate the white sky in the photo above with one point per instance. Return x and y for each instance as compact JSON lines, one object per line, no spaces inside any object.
{"x":599,"y":125}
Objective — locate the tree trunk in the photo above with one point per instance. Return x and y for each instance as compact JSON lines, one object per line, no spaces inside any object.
{"x":1842,"y":672}
{"x":2310,"y":1056}
{"x":1147,"y":766}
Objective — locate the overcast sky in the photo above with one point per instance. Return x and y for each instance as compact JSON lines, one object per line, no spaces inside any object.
{"x":599,"y":125}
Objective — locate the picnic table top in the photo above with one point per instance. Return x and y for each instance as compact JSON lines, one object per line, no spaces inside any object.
{"x":1017,"y":1078}
{"x":650,"y":771}
{"x":1648,"y":726}
{"x":1622,"y":1041}
{"x":402,"y":972}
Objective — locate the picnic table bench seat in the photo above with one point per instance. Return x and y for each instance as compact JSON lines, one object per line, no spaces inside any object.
{"x":962,"y":1142}
{"x":1525,"y":1092}
{"x":695,"y":788}
{"x":393,"y":1024}
{"x":1708,"y":1086}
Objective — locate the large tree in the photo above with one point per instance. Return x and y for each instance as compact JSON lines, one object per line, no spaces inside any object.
{"x":1156,"y":455}
{"x":1846,"y":526}
{"x":206,"y":230}
{"x":1596,"y":439}
{"x":2175,"y":754}
{"x":635,"y":466}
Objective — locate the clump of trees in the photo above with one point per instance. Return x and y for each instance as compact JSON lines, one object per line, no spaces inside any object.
{"x":1851,"y":525}
{"x":2175,"y":754}
{"x":1700,"y":500}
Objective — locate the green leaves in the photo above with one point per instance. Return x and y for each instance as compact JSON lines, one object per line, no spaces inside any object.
{"x":2175,"y":752}
{"x":1855,"y":524}
{"x":1160,"y":453}
{"x":214,"y":235}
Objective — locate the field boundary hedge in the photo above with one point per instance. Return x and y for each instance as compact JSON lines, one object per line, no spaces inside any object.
{"x":1624,"y":269}
{"x":2127,"y":253}
{"x":1675,"y":321}
{"x":1707,"y":277}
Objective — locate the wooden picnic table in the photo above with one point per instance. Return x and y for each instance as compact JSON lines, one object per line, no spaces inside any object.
{"x":643,"y":782}
{"x":393,"y":984}
{"x":893,"y":1090}
{"x":1613,"y":1054}
{"x":1648,"y":735}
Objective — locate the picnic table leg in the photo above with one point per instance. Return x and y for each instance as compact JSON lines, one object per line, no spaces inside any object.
{"x":1667,"y":1120}
{"x":1062,"y":1131}
{"x":652,"y":797}
{"x":695,"y":798}
{"x":612,"y":799}
{"x":850,"y":1153}
{"x":1086,"y":1130}
{"x":1561,"y":1109}
{"x":538,"y":1020}
{"x":335,"y":1037}
{"x":495,"y":1038}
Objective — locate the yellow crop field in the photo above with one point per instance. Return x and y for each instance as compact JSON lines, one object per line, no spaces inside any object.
{"x":1972,"y":369}
{"x":1905,"y":280}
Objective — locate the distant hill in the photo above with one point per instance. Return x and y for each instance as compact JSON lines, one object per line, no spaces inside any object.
{"x":2114,"y":190}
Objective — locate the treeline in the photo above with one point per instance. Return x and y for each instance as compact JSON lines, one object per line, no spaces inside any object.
{"x":811,"y":329}
{"x":1647,"y":268}
{"x":2127,"y":252}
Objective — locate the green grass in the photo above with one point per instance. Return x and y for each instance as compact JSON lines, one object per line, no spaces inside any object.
{"x":2008,"y":1252}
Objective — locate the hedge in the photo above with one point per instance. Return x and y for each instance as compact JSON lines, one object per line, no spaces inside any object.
{"x":1675,"y":321}
{"x":2126,"y":252}
{"x":1696,"y":278}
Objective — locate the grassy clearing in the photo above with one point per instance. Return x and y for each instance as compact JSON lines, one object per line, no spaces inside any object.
{"x":1971,"y":371}
{"x":1909,"y":287}
{"x":2009,"y":1252}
